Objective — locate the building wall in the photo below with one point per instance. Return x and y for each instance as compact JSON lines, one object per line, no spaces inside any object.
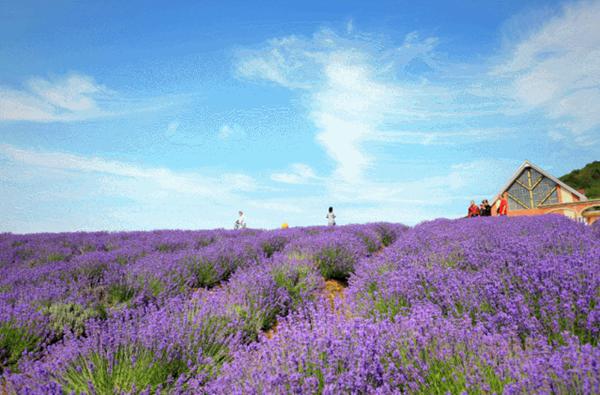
{"x":566,"y":196}
{"x":573,"y":210}
{"x":565,"y":203}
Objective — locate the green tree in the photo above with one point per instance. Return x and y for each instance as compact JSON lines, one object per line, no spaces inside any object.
{"x":587,"y":178}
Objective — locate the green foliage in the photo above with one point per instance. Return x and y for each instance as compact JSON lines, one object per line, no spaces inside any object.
{"x":108,"y":247}
{"x":449,"y":376}
{"x":386,"y":234}
{"x":293,"y":280}
{"x":122,"y":260}
{"x":311,"y":369}
{"x":170,"y":247}
{"x":155,"y":285}
{"x":210,"y":332}
{"x":93,"y":274}
{"x":273,"y":245}
{"x":255,"y":319}
{"x":24,"y":254}
{"x":88,"y":248}
{"x":204,"y":272}
{"x":204,"y":241}
{"x":55,"y":257}
{"x":373,"y":245}
{"x":335,"y":263}
{"x":385,"y":306}
{"x":211,"y":336}
{"x":587,"y":178}
{"x":297,"y":255}
{"x":389,"y":306}
{"x":132,"y":368}
{"x":71,"y":316}
{"x":14,"y":341}
{"x":120,"y":293}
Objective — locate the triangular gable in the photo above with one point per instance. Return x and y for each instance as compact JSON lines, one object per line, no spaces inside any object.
{"x":531,"y":187}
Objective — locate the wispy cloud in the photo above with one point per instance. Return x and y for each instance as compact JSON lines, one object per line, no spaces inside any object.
{"x":556,"y":69}
{"x":58,"y":191}
{"x":350,"y":80}
{"x":299,"y":173}
{"x":161,"y":179}
{"x":115,"y":194}
{"x":442,"y":137}
{"x":360,"y":89}
{"x":70,"y":98}
{"x":231,"y":132}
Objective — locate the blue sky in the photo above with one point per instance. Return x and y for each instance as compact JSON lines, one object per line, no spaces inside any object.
{"x":145,"y":116}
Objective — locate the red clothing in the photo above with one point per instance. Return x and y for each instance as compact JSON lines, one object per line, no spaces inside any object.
{"x":503,"y":208}
{"x":473,"y":211}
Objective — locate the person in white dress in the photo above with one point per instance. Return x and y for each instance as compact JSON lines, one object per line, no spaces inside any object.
{"x":330,"y":217}
{"x":240,"y":223}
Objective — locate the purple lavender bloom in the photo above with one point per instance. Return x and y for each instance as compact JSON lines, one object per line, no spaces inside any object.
{"x":489,"y":305}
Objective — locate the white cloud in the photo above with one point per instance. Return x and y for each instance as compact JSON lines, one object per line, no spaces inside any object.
{"x":230,"y":132}
{"x":73,"y":97}
{"x":357,"y":97}
{"x":408,"y":202}
{"x":300,"y":174}
{"x":172,"y":129}
{"x":350,"y":26}
{"x":160,"y":179}
{"x":57,"y":191}
{"x":557,"y":69}
{"x":351,"y":87}
{"x":441,"y":137}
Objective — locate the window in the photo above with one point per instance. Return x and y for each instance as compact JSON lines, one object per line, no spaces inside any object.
{"x":545,"y":192}
{"x":530,"y":190}
{"x":535,"y":176}
{"x":519,"y":197}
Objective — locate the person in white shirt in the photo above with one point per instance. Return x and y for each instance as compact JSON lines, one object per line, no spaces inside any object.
{"x":240,"y":223}
{"x":330,"y":217}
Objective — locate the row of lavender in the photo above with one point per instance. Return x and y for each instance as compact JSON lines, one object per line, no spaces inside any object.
{"x":130,"y":312}
{"x":485,"y":305}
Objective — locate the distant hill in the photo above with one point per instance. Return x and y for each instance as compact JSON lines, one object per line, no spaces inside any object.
{"x":587,"y":178}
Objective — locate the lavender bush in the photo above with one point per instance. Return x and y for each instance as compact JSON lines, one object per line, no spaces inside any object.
{"x":319,"y":351}
{"x":534,"y":276}
{"x":484,"y":305}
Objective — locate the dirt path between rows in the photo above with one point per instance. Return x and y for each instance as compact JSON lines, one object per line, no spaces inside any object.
{"x":334,"y":292}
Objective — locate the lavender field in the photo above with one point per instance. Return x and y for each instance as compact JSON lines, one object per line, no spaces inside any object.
{"x":483,"y":305}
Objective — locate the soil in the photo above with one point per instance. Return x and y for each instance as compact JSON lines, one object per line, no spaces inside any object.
{"x":334,"y":289}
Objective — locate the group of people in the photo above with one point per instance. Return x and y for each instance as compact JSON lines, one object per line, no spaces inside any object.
{"x":240,"y":223}
{"x":485,"y":209}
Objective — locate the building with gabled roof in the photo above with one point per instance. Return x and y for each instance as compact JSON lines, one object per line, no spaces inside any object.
{"x":533,"y":191}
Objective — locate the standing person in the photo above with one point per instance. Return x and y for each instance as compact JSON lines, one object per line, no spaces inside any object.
{"x":503,"y":205}
{"x":486,"y":209}
{"x":473,"y":210}
{"x":330,"y":217}
{"x":240,"y":223}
